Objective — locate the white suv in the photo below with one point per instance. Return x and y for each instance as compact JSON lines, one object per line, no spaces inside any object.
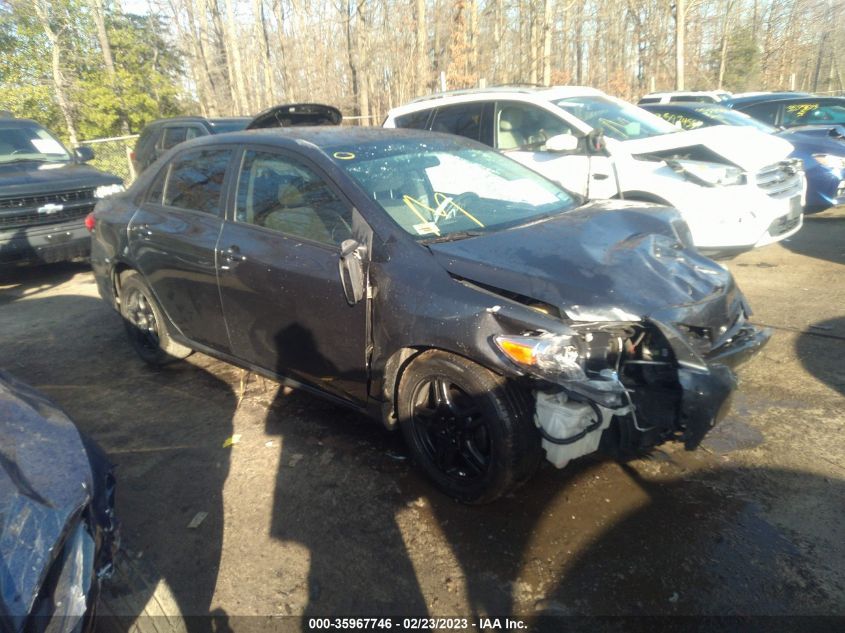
{"x":711,"y":96}
{"x":735,"y":187}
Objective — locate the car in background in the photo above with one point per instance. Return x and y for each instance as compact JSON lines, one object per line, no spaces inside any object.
{"x":46,"y":191}
{"x":159,"y":136}
{"x":434,"y":284}
{"x":58,"y":532}
{"x":786,"y":110}
{"x":823,"y":156}
{"x":736,"y":190}
{"x":710,"y":96}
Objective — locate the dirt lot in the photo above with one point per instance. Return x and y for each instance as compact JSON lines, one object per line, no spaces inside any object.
{"x":316,"y":510}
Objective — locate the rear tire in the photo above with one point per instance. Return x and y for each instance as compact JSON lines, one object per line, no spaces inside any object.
{"x":145,"y":323}
{"x":469,"y":430}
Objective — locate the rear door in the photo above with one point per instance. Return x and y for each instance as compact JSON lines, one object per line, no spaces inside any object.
{"x":173,"y":239}
{"x":280,"y":285}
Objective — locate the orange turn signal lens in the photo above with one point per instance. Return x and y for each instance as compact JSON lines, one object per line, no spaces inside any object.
{"x":518,"y":351}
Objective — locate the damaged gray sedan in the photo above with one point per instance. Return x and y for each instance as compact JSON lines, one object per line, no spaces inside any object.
{"x":434,"y":284}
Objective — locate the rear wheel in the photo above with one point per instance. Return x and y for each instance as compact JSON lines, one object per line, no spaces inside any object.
{"x":145,"y":326}
{"x":470,"y":430}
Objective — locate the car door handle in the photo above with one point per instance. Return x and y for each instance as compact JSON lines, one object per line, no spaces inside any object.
{"x":232,"y":257}
{"x":601,"y":176}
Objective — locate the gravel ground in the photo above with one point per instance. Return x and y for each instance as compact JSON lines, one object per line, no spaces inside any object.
{"x":316,"y":511}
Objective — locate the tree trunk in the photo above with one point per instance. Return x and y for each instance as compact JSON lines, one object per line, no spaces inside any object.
{"x":421,"y":48}
{"x":233,"y":49}
{"x":42,"y":11}
{"x":680,"y":33}
{"x":723,"y":48}
{"x":108,"y":60}
{"x":548,"y":12}
{"x":269,"y":91}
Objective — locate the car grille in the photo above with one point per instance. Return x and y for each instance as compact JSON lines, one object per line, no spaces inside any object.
{"x":783,"y":224}
{"x":781,"y":179}
{"x":50,"y":208}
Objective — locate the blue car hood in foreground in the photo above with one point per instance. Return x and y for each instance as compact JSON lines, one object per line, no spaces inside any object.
{"x":45,"y":482}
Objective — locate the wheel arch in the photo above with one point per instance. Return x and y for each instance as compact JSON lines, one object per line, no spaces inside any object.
{"x":396,"y":365}
{"x":643,"y":196}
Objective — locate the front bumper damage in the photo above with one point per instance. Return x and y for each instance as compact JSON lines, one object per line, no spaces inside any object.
{"x":675,"y":387}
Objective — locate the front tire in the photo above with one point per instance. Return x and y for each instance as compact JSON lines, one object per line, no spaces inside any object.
{"x":145,"y":324}
{"x":469,"y":430}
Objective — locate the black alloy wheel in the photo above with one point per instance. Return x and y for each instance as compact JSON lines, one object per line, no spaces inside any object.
{"x":144,"y":323}
{"x":470,"y":430}
{"x":449,"y":425}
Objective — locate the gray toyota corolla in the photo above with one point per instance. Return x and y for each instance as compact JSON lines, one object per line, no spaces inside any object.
{"x":435,"y":284}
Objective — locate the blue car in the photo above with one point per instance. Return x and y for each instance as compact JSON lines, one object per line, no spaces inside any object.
{"x":821,"y":150}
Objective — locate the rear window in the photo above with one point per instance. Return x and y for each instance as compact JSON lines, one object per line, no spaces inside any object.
{"x":173,"y":136}
{"x":196,"y":180}
{"x":415,"y":120}
{"x":463,"y":119}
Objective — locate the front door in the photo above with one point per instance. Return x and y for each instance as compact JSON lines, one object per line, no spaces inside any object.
{"x":521,"y":131}
{"x":280,"y":285}
{"x":173,"y":239}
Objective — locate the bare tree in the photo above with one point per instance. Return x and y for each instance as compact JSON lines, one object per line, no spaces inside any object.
{"x":42,"y":10}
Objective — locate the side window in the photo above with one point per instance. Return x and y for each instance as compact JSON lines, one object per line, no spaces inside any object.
{"x":524,"y":126}
{"x":810,"y":113}
{"x":156,"y":191}
{"x":196,"y":180}
{"x":766,"y":112}
{"x":414,"y":120}
{"x":645,"y":100}
{"x":280,"y":193}
{"x":463,"y":119}
{"x":172,"y":136}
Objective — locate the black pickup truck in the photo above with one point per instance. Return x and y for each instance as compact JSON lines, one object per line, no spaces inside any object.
{"x":46,"y":192}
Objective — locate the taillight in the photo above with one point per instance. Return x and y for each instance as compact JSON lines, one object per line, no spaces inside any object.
{"x":90,"y":222}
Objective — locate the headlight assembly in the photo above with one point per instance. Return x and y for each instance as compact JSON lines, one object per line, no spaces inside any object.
{"x":556,"y":357}
{"x":103,"y":191}
{"x":830,"y":161}
{"x":708,"y":174}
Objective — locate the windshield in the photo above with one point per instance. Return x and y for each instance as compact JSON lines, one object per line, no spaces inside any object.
{"x":29,"y":142}
{"x":436,"y":190}
{"x":617,"y":119}
{"x":732,"y":117}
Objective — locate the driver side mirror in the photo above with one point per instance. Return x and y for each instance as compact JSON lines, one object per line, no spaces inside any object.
{"x":562,"y":143}
{"x":351,"y":268}
{"x":84,"y":153}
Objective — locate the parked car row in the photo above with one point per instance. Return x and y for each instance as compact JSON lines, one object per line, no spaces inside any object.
{"x":736,"y":189}
{"x":822,"y":155}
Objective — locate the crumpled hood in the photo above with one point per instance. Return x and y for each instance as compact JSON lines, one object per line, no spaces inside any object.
{"x":745,"y":147}
{"x":608,"y":260}
{"x":45,"y":480}
{"x":33,"y":178}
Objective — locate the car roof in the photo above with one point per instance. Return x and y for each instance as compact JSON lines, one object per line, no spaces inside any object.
{"x":525,"y":93}
{"x":761,"y":97}
{"x":15,"y":121}
{"x":189,"y":118}
{"x":682,"y":106}
{"x":324,"y":136}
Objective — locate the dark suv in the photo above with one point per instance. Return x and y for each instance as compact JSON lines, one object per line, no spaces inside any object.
{"x":45,"y":193}
{"x":159,"y":136}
